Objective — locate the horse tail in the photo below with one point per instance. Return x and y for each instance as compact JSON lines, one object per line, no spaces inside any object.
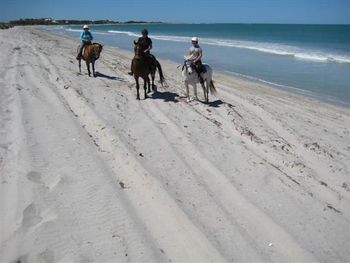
{"x":161,"y":76}
{"x":212,"y":87}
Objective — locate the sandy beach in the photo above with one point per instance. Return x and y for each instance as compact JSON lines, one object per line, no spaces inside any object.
{"x":88,"y":173}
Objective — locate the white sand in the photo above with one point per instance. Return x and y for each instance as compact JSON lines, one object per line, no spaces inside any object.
{"x":88,"y":173}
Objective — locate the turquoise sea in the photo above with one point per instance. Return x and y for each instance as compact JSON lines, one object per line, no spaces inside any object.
{"x":309,"y":59}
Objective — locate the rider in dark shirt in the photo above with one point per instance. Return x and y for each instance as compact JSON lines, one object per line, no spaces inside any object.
{"x":146,"y":44}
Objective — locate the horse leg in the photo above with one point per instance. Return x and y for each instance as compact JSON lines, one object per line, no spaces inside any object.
{"x":205,"y":90}
{"x":93,"y":68}
{"x":137,"y":87}
{"x":146,"y":83}
{"x":88,"y":67}
{"x":195,"y":91}
{"x":187,"y":92}
{"x":79,"y":65}
{"x":153,"y":75}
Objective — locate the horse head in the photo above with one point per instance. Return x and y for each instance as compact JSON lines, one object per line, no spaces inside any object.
{"x":188,"y":67}
{"x":97,"y":49}
{"x":138,"y":50}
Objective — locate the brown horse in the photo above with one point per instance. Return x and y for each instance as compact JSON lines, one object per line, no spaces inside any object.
{"x":91,"y":53}
{"x":143,"y":66}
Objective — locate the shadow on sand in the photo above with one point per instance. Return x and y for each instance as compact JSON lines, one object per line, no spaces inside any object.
{"x":165,"y":96}
{"x":100,"y":75}
{"x":215,"y":103}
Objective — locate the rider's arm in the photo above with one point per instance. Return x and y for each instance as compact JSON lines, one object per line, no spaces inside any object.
{"x":149,"y":42}
{"x":148,"y":49}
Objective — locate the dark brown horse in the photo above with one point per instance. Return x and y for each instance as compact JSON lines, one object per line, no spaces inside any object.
{"x":91,"y":53}
{"x":142,"y":66}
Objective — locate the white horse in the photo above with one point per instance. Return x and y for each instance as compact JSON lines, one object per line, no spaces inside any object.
{"x":191,"y":78}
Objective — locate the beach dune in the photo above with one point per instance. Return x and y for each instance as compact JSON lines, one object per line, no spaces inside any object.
{"x":88,"y":173}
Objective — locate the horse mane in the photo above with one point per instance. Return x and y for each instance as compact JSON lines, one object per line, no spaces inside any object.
{"x":138,"y":56}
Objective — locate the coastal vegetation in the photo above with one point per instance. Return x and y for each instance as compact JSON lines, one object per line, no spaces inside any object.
{"x":51,"y":21}
{"x":5,"y":25}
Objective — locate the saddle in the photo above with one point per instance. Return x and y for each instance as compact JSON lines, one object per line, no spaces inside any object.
{"x":201,"y":68}
{"x":86,"y":45}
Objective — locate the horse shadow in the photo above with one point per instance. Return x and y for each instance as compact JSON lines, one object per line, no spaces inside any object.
{"x":101,"y":75}
{"x":215,"y":103}
{"x":165,"y":96}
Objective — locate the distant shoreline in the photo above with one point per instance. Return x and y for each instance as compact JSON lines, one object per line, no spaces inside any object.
{"x":51,"y":21}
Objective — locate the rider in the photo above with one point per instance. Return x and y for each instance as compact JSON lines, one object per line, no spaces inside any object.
{"x":146,"y":44}
{"x":194,"y":57}
{"x":86,"y":38}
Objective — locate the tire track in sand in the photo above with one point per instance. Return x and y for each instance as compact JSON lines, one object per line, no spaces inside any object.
{"x":178,"y":239}
{"x":120,"y":231}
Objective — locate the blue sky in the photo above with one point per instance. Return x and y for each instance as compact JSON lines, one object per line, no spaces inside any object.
{"x":193,"y":11}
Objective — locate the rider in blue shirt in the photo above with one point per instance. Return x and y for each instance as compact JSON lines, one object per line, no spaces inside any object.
{"x":86,"y":38}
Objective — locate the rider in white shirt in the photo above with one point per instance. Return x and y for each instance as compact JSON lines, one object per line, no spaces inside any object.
{"x":194,"y":56}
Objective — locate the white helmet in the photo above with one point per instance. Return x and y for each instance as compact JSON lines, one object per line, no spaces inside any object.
{"x":85,"y":27}
{"x":195,"y":39}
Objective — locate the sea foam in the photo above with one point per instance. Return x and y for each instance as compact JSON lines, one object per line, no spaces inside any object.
{"x":271,"y":48}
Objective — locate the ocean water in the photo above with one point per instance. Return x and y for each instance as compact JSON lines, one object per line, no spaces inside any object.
{"x":311,"y":59}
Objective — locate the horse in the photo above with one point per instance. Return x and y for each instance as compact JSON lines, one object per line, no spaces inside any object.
{"x":190,"y":77}
{"x":142,"y":66}
{"x":91,"y":53}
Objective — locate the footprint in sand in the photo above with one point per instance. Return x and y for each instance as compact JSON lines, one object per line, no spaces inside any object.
{"x":49,"y":183}
{"x":46,"y":256}
{"x":31,"y":216}
{"x":4,"y":146}
{"x":35,"y":177}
